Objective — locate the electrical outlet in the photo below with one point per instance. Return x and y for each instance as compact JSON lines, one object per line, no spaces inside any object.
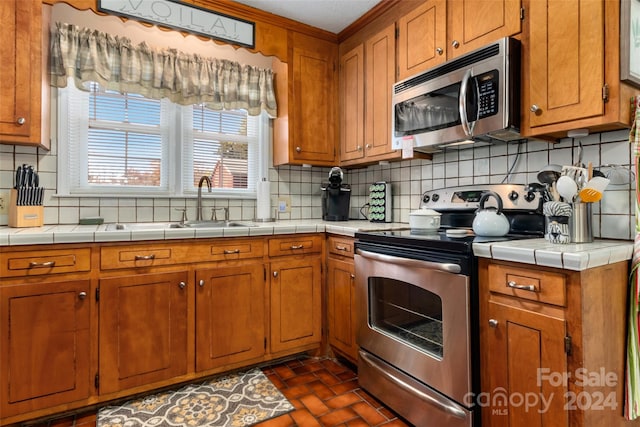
{"x":4,"y":203}
{"x":284,"y":204}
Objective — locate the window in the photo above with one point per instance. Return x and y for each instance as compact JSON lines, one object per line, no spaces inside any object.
{"x":119,"y":144}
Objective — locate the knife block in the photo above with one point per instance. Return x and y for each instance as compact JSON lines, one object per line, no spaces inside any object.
{"x":24,"y":216}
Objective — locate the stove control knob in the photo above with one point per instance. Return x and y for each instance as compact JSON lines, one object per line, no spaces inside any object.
{"x":426,"y":198}
{"x":513,"y":195}
{"x":530,"y":196}
{"x":435,"y":197}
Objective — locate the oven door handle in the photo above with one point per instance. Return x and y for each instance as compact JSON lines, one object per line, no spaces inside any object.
{"x":408,"y":262}
{"x":433,"y":399}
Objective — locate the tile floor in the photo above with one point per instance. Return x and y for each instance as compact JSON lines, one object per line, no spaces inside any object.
{"x":325,"y":393}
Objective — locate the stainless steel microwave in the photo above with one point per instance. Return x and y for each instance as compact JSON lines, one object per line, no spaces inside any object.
{"x":472,"y":99}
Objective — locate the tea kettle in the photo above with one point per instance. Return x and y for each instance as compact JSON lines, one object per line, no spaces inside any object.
{"x":490,"y":221}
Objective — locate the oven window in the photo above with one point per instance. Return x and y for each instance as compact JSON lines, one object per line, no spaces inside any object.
{"x":406,"y":312}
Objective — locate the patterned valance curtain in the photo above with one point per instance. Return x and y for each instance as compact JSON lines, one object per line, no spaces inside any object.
{"x":113,"y":62}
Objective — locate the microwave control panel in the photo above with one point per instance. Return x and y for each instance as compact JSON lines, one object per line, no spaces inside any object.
{"x":488,"y":92}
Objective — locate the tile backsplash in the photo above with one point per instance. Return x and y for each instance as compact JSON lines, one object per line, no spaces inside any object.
{"x":613,"y":216}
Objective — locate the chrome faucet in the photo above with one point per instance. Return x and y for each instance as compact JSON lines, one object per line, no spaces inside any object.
{"x":199,"y":204}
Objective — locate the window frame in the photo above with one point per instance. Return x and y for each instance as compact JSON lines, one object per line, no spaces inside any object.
{"x":175,"y":148}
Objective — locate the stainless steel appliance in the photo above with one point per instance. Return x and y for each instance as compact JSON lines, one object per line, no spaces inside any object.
{"x":471,"y":99}
{"x":336,"y":197}
{"x":418,"y":306}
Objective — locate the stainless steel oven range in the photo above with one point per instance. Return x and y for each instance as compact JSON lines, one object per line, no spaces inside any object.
{"x":418,"y":306}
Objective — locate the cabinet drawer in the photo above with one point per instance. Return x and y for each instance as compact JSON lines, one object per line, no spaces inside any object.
{"x":114,"y":257}
{"x":340,"y":246}
{"x":541,"y":286}
{"x":295,"y":245}
{"x":229,"y":250}
{"x":46,"y":262}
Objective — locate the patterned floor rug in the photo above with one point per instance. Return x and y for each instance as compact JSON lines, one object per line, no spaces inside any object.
{"x":235,"y":400}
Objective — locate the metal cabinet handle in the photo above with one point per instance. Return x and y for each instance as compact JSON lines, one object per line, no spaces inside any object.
{"x":201,"y":283}
{"x":455,"y":44}
{"x":182,"y":285}
{"x":275,"y":274}
{"x":231,"y":251}
{"x":82,"y":295}
{"x":298,"y":149}
{"x":144,"y":257}
{"x":21,"y":121}
{"x":297,"y":247}
{"x":493,"y":323}
{"x":34,"y":264}
{"x":439,"y":50}
{"x":535,"y":109}
{"x":359,"y":148}
{"x":352,"y":276}
{"x":368,"y":146}
{"x":514,"y":285}
{"x":341,"y":248}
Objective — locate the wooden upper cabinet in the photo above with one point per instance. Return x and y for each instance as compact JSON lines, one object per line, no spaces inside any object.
{"x":24,"y":106}
{"x":305,"y":131}
{"x":367,"y":75}
{"x":379,"y":78}
{"x":472,"y":24}
{"x":422,"y":38}
{"x":352,"y":104}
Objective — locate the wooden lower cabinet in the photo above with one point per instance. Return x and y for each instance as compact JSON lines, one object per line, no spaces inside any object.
{"x":525,"y":346}
{"x":552,"y":345}
{"x":44,"y":345}
{"x":296,"y":318}
{"x":341,"y":306}
{"x":143,"y":329}
{"x":230,"y":319}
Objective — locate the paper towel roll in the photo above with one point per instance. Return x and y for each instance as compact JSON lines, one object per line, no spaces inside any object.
{"x":263,"y":203}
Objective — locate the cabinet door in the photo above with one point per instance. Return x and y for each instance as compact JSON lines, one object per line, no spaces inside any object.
{"x":352,"y":104}
{"x":475,"y":23}
{"x":45,"y":345}
{"x":229,"y":315}
{"x":143,"y":329}
{"x":380,"y":76}
{"x":525,"y":352}
{"x":422,"y":38}
{"x":313,"y":105}
{"x":295,"y":303}
{"x":566,"y":48}
{"x":341,"y":306}
{"x":21,"y":72}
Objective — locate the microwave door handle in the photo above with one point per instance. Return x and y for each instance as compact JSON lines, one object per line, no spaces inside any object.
{"x":408,"y":262}
{"x":462,"y":105}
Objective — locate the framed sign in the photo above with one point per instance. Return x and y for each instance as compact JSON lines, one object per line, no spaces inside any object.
{"x":184,"y":17}
{"x":630,"y":41}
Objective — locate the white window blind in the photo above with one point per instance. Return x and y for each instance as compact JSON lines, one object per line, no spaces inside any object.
{"x":223,"y":145}
{"x":115,"y":144}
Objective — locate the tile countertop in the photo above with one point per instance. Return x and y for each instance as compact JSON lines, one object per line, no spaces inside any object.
{"x":70,"y":233}
{"x":573,"y":256}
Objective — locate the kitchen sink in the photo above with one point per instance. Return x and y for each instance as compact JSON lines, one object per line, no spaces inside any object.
{"x":136,"y":226}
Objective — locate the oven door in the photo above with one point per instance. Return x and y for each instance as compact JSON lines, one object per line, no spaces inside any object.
{"x":414,"y":315}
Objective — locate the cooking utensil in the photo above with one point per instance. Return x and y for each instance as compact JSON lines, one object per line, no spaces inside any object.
{"x":567,"y":188}
{"x":592,"y":191}
{"x":490,"y":221}
{"x":618,"y":174}
{"x":549,"y":173}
